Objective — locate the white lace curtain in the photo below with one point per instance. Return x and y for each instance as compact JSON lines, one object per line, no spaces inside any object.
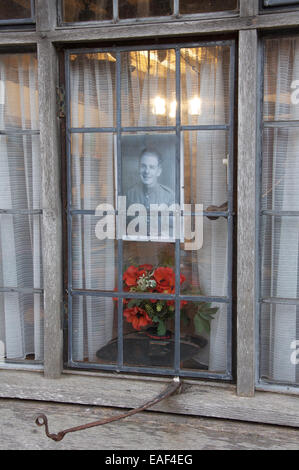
{"x":280,"y":235}
{"x":21,"y":314}
{"x":145,"y":76}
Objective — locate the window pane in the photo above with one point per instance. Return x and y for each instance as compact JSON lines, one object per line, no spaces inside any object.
{"x":18,"y":91}
{"x":206,"y":169}
{"x":279,"y":343}
{"x":206,"y":6}
{"x":151,"y":253}
{"x":94,"y":326}
{"x":93,"y":170}
{"x":280,"y":257}
{"x":93,"y":90}
{"x":205,"y":85}
{"x":281,"y":79}
{"x":148,"y":88}
{"x":276,"y":3}
{"x":21,"y":327}
{"x":280,"y":170}
{"x":201,"y":323}
{"x":20,"y":251}
{"x":144,"y":8}
{"x":94,"y":260}
{"x":20,"y":186}
{"x":86,"y":10}
{"x":15,"y":9}
{"x":205,"y":268}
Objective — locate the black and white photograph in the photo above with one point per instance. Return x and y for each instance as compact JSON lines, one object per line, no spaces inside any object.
{"x":148,"y":163}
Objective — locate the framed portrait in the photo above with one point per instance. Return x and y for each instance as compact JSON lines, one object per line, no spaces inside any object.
{"x":148,"y":168}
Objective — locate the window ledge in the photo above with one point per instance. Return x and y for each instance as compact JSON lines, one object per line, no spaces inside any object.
{"x":199,"y":399}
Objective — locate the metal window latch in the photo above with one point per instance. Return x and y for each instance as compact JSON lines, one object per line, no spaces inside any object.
{"x":172,"y":388}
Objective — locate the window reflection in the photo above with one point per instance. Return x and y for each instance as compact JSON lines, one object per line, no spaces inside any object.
{"x":87,"y":10}
{"x":144,"y":8}
{"x":206,"y":6}
{"x":15,"y":9}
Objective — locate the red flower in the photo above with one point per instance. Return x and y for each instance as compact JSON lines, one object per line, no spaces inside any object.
{"x":130,"y":276}
{"x":165,"y":279}
{"x":137,"y":316}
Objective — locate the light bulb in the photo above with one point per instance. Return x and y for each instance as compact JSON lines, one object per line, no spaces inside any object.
{"x":159,"y":107}
{"x":195,"y":106}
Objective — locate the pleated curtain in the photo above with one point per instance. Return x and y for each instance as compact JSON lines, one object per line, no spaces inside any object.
{"x":280,"y":235}
{"x":21,"y":314}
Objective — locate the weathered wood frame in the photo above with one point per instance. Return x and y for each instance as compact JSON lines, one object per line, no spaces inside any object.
{"x":226,"y":401}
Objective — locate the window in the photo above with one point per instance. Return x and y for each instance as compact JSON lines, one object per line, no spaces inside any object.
{"x":73,"y":11}
{"x":21,"y":299}
{"x":16,"y":11}
{"x":131,"y":108}
{"x":280,"y":214}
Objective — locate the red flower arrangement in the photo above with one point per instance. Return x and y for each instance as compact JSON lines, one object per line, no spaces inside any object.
{"x":143,"y":312}
{"x":156,"y":312}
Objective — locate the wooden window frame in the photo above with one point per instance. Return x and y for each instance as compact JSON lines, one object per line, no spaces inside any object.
{"x":242,"y":401}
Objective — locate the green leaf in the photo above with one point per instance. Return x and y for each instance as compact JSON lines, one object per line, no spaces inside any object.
{"x":204,"y":306}
{"x":201,"y":324}
{"x":198,"y":323}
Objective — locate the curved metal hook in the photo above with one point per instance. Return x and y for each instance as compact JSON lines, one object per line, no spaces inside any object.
{"x":42,"y":420}
{"x":173,"y":387}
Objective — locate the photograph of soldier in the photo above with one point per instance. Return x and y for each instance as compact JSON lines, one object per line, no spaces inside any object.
{"x":148,"y":171}
{"x":148,"y":190}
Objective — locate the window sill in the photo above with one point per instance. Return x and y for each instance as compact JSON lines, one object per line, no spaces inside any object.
{"x":197,"y":399}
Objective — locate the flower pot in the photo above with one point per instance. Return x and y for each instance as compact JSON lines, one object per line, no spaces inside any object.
{"x":152,"y":333}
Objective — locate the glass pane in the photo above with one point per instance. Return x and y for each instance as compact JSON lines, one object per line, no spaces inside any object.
{"x":93,"y":90}
{"x":148,"y":88}
{"x":20,"y":251}
{"x":144,"y":8}
{"x":94,"y":259}
{"x":280,"y":257}
{"x":147,"y":340}
{"x":21,"y":327}
{"x":86,"y":10}
{"x":148,"y":253}
{"x":203,"y":336}
{"x":280,"y":189}
{"x":18,"y":91}
{"x":281,"y":79}
{"x":279,"y":343}
{"x":20,"y":178}
{"x":206,"y":6}
{"x":205,"y":267}
{"x":94,"y":329}
{"x":205,"y":85}
{"x":15,"y":10}
{"x":206,"y":169}
{"x":93,"y":170}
